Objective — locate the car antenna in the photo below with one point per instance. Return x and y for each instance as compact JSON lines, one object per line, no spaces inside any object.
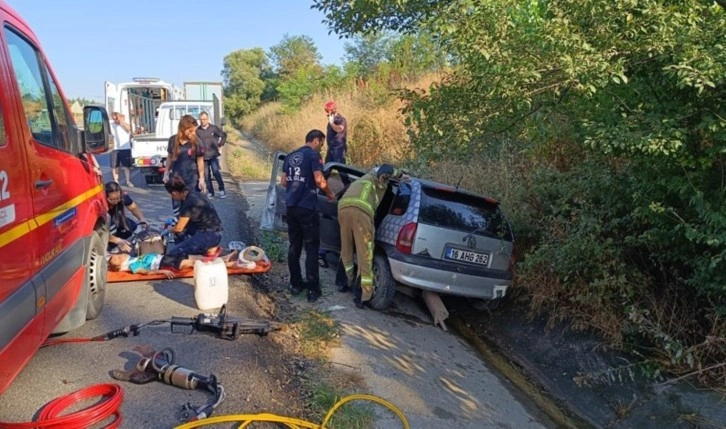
{"x":459,"y":182}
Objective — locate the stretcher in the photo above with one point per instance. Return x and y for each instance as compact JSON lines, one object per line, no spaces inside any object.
{"x":127,"y":276}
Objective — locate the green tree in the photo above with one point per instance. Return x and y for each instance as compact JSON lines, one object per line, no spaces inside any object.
{"x":243,"y":84}
{"x":298,"y":73}
{"x":415,"y":55}
{"x":367,"y":51}
{"x":294,"y":53}
{"x":82,"y":101}
{"x":622,"y":105}
{"x":298,"y":88}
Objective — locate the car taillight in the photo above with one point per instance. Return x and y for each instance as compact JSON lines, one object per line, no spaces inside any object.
{"x":406,"y":235}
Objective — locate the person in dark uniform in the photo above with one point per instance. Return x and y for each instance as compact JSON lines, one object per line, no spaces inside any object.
{"x":337,"y":134}
{"x":199,"y":229}
{"x":302,"y":175}
{"x":185,"y":159}
{"x":186,"y":155}
{"x":120,"y":227}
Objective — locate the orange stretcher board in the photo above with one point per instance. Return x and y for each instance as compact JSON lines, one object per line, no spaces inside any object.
{"x":127,"y":276}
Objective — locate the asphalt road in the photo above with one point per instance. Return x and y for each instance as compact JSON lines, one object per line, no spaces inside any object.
{"x":433,"y":377}
{"x":252,"y":380}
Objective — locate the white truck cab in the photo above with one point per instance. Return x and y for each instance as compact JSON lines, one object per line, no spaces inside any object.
{"x":149,"y":151}
{"x":170,"y":112}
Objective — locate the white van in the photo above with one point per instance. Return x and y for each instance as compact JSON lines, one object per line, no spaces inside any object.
{"x":149,"y":150}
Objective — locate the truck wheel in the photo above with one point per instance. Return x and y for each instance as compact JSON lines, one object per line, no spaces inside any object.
{"x":385,"y":285}
{"x":96,"y":271}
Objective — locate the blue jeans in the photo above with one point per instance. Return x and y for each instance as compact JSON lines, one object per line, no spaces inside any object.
{"x":211,"y":167}
{"x":196,"y":244}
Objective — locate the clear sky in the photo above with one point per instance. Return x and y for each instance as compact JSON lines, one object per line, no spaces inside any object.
{"x":89,"y":42}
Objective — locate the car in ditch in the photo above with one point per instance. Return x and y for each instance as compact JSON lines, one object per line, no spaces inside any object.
{"x":429,"y":236}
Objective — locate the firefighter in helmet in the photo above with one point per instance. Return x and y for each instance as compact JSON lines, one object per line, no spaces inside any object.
{"x":356,"y":212}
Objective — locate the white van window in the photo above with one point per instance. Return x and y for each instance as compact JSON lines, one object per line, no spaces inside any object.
{"x":26,"y":62}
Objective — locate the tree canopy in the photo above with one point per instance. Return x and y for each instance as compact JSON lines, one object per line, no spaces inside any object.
{"x":618,"y":109}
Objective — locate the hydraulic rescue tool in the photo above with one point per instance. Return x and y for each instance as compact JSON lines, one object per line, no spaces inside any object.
{"x":159,"y":365}
{"x":222,"y":326}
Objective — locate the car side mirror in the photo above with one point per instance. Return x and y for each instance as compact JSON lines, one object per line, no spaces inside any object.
{"x":96,"y":129}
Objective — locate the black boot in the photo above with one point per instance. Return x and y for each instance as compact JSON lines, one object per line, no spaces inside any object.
{"x":295,"y":290}
{"x":314,"y":294}
{"x":341,"y":278}
{"x":357,"y":297}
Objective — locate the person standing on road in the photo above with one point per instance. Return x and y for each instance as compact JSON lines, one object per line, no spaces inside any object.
{"x":302,"y":176}
{"x":186,"y":155}
{"x":337,"y":129}
{"x":212,"y":138}
{"x":120,"y":227}
{"x":356,"y":213}
{"x":121,"y":153}
{"x":185,"y":159}
{"x":199,"y":229}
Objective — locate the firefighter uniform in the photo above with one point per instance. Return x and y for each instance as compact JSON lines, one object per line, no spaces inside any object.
{"x":356,"y":212}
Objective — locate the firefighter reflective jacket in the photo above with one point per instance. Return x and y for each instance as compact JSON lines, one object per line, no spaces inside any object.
{"x":364,"y":193}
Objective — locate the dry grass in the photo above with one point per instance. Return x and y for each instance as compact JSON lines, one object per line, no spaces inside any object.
{"x":244,"y":163}
{"x":376,"y":130}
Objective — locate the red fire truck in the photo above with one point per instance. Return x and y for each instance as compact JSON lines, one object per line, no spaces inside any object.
{"x":53,"y":231}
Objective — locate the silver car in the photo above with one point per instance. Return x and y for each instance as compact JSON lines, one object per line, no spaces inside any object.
{"x":429,"y":236}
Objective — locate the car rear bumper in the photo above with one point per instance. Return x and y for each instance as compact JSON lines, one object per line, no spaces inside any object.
{"x":447,"y":277}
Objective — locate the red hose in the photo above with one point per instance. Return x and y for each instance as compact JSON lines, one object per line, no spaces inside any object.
{"x":55,"y":342}
{"x":50,"y":417}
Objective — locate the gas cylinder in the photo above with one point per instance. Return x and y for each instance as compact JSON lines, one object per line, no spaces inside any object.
{"x":211,"y":284}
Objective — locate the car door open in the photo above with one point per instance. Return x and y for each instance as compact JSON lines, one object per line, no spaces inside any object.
{"x":274,"y":213}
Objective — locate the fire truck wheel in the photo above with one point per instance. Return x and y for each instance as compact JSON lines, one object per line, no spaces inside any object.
{"x":96,"y":270}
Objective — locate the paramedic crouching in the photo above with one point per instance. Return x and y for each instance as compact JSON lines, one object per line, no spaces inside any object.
{"x":199,"y":229}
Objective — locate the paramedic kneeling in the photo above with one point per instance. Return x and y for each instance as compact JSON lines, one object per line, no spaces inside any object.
{"x":199,"y":229}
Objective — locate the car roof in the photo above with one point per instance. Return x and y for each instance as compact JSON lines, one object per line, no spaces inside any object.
{"x":423,"y":182}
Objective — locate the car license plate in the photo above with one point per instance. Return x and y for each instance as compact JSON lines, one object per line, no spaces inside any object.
{"x":467,"y":256}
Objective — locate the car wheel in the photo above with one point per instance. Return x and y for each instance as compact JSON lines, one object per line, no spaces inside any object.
{"x":96,"y":271}
{"x":385,"y":285}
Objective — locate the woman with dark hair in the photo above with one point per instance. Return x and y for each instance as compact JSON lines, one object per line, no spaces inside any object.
{"x":186,"y":155}
{"x":121,"y":228}
{"x":199,"y":229}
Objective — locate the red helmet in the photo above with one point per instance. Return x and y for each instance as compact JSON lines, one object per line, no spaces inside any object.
{"x":330,"y":105}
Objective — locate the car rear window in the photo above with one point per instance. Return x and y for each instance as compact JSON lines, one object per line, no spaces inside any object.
{"x":462,"y":212}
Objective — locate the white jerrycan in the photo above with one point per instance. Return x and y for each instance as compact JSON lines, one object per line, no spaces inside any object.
{"x":211,"y":284}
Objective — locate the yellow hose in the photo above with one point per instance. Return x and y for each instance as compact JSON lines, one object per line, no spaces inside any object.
{"x":293,"y":423}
